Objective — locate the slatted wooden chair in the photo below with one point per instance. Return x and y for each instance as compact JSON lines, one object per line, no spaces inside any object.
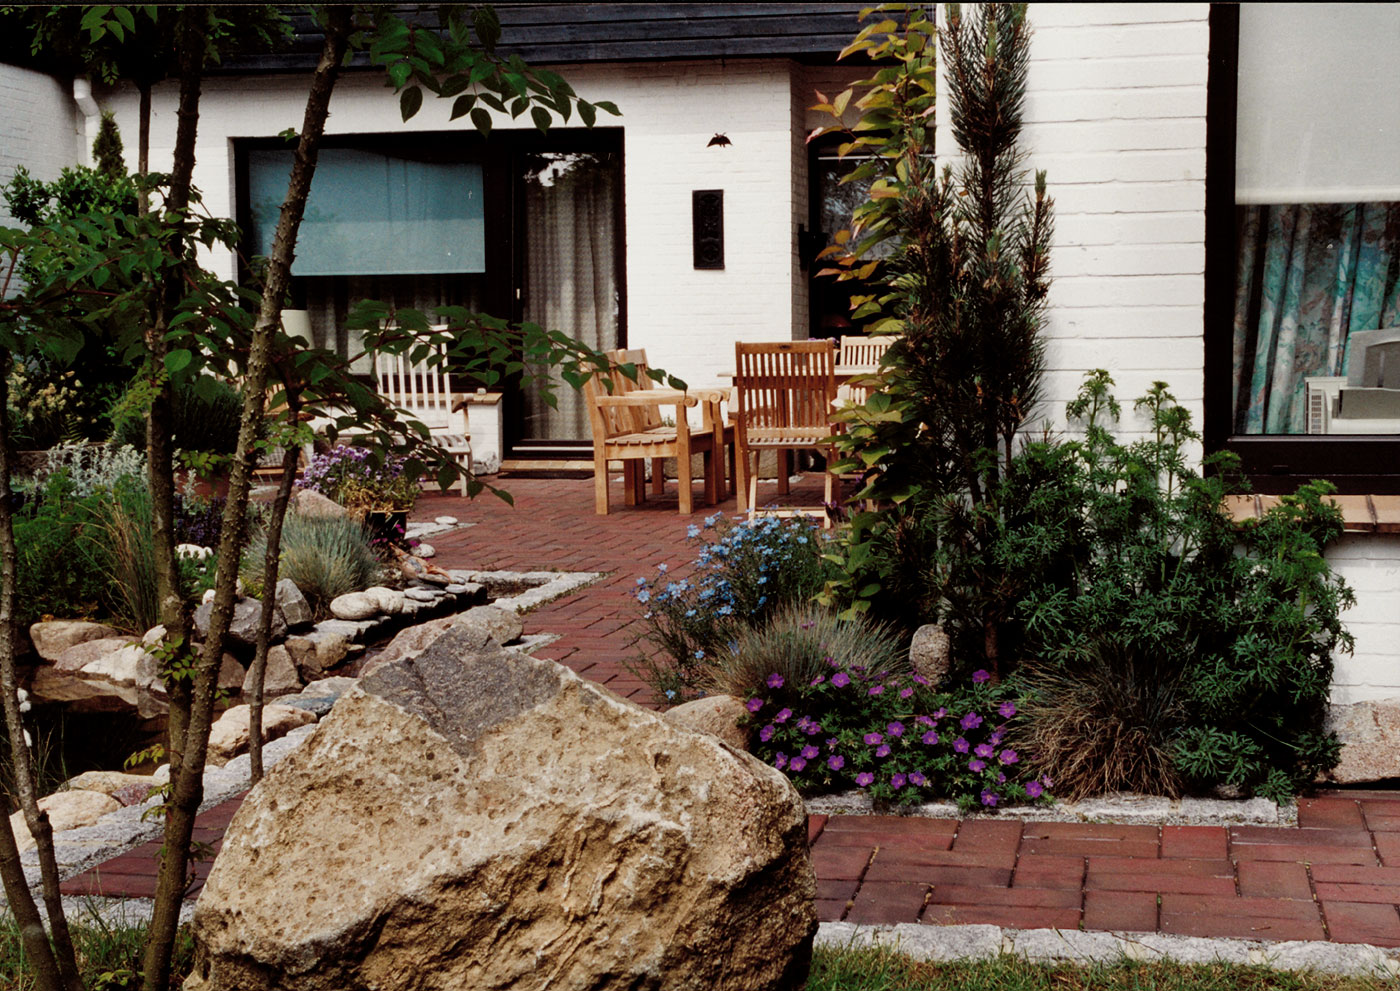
{"x":782,"y":397}
{"x":424,"y":392}
{"x":626,"y":419}
{"x":863,"y":353}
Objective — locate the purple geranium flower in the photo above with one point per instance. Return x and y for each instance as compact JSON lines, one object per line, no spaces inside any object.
{"x":1008,"y":756}
{"x":840,"y":679}
{"x":961,"y":745}
{"x":766,"y":733}
{"x":980,"y":676}
{"x":812,"y":729}
{"x":809,"y":752}
{"x":917,"y":779}
{"x":831,"y":743}
{"x":1007,"y":709}
{"x":904,"y":693}
{"x":940,"y":713}
{"x":1034,"y":789}
{"x":864,"y":779}
{"x":783,"y":716}
{"x":780,"y":761}
{"x":753,"y":705}
{"x":931,"y":737}
{"x":895,"y":729}
{"x":836,"y":762}
{"x":897,"y":782}
{"x":876,"y":689}
{"x":923,"y":720}
{"x":817,"y":680}
{"x":984,"y":750}
{"x":775,"y":680}
{"x":970,"y":721}
{"x":976,"y":764}
{"x":921,"y":679}
{"x":989,"y":798}
{"x":873,"y":738}
{"x":797,"y":764}
{"x":883,"y":750}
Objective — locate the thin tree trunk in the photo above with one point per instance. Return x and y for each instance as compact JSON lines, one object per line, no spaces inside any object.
{"x":55,"y":967}
{"x":187,"y":781}
{"x":143,"y":139}
{"x":270,"y":566}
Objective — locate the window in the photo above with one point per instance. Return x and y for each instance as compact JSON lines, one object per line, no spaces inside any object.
{"x":1303,"y":359}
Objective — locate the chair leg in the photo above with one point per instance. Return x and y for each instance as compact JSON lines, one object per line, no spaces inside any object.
{"x":784,"y":469}
{"x":741,"y":477}
{"x":713,"y":486}
{"x":658,"y":476}
{"x":633,"y":488}
{"x":600,"y":483}
{"x":830,"y":485}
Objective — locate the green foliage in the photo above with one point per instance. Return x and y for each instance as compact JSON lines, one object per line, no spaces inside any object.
{"x":800,"y":642}
{"x":740,"y":578}
{"x":107,"y":148}
{"x":1136,"y":560}
{"x":125,"y":553}
{"x":57,"y":570}
{"x":325,"y":556}
{"x":109,"y":955}
{"x":894,"y":737}
{"x":204,"y":415}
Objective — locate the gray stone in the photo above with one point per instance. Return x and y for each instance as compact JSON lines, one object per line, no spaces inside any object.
{"x":425,"y":550}
{"x":1068,"y":945}
{"x":54,"y":636}
{"x":423,"y":594}
{"x":457,"y":588}
{"x":317,"y":651}
{"x":309,"y":503}
{"x":354,"y":606}
{"x":229,"y":735}
{"x":243,"y":627}
{"x":352,"y":630}
{"x":389,"y":600}
{"x":73,"y":659}
{"x":334,"y":687}
{"x":130,"y":665}
{"x":487,"y":820}
{"x":280,"y":677}
{"x":445,"y":520}
{"x":930,"y":653}
{"x":317,"y":705}
{"x":231,"y":674}
{"x":295,"y":610}
{"x":410,"y":642}
{"x":1370,"y":735}
{"x":499,"y":625}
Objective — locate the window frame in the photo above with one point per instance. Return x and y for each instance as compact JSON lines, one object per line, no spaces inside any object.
{"x":1273,"y":463}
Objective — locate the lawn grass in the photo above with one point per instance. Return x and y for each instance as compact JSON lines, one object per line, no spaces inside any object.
{"x":880,"y":969}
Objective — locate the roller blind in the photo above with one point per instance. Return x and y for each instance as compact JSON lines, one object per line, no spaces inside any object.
{"x":374,"y":214}
{"x":1319,"y":105}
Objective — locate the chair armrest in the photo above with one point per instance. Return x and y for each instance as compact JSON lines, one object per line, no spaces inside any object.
{"x":650,"y":397}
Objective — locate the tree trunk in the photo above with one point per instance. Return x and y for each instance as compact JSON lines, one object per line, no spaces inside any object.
{"x":55,"y":967}
{"x":187,"y":780}
{"x":270,"y":565}
{"x":143,"y":139}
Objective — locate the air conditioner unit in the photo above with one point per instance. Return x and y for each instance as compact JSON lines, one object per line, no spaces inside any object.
{"x":1321,"y":394}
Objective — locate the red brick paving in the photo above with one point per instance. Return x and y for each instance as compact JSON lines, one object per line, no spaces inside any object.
{"x":1336,"y":876}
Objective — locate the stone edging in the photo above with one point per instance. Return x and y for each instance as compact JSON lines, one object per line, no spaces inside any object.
{"x":943,"y":943}
{"x":1122,"y":809}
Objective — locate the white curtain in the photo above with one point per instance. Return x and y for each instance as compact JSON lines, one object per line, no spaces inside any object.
{"x":570,"y":216}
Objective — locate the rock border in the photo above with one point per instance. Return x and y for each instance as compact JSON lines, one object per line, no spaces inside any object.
{"x":1124,"y":809}
{"x":975,"y":942}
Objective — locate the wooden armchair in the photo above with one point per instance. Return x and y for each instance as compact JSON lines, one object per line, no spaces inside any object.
{"x":863,"y":353}
{"x":425,"y":393}
{"x":783,"y":395}
{"x":627,"y":423}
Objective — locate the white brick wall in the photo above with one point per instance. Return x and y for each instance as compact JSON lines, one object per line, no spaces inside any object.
{"x":40,"y":128}
{"x":1371,"y":566}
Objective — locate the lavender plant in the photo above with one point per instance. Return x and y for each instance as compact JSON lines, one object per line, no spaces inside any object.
{"x":361,"y":479}
{"x":895,"y":738}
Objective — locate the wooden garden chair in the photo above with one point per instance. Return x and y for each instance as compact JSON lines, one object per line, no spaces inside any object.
{"x":782,"y":397}
{"x":860,"y":353}
{"x":424,"y":392}
{"x":626,"y":419}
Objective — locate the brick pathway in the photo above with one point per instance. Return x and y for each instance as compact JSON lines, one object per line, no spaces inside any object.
{"x":1336,"y":876}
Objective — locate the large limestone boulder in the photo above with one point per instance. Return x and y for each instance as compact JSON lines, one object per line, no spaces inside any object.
{"x":718,"y":715}
{"x":1370,"y":735}
{"x":280,"y":676}
{"x":229,"y":735}
{"x":930,"y":653}
{"x":497,"y":623}
{"x":488,"y":820}
{"x":243,"y":626}
{"x":53,"y":637}
{"x":67,"y":810}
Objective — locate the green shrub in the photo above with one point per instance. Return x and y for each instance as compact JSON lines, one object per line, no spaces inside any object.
{"x":122,"y":534}
{"x":325,"y":556}
{"x":204,"y":416}
{"x":740,"y":578}
{"x":1149,"y":564}
{"x":799,"y":643}
{"x":58,"y":571}
{"x":895,"y":738}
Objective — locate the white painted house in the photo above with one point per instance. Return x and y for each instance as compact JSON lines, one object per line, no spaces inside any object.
{"x":1220,"y":171}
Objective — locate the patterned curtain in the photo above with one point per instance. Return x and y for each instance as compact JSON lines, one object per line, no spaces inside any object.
{"x":1308,"y":275}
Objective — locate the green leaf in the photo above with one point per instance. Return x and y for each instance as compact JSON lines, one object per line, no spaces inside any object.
{"x":462,"y":105}
{"x":410,"y":101}
{"x":541,"y":118}
{"x":481,"y":120}
{"x":177,"y":360}
{"x":607,"y":106}
{"x":586,"y":113}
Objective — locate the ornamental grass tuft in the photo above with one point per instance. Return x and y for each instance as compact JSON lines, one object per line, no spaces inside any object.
{"x":325,"y":556}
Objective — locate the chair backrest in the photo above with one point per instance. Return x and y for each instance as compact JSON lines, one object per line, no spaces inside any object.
{"x":863,"y":350}
{"x":783,"y":386}
{"x":613,"y":421}
{"x":424,"y":390}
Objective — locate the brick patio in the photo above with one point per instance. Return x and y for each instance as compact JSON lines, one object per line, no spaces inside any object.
{"x":1335,"y":876}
